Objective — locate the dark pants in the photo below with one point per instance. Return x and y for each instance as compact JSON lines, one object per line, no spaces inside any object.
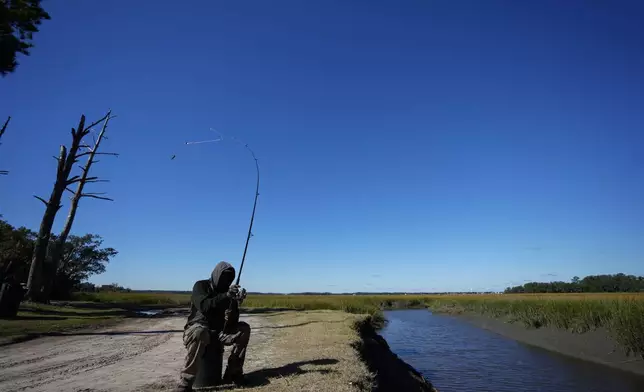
{"x":196,"y":337}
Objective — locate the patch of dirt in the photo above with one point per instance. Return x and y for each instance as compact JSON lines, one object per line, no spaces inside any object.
{"x":288,"y":351}
{"x":127,"y":357}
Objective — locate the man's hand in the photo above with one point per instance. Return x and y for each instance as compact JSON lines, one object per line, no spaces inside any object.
{"x":237,"y":293}
{"x":241,"y":296}
{"x":233,"y":291}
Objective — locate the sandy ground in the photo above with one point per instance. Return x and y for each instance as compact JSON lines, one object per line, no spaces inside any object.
{"x":595,"y":346}
{"x":288,"y":351}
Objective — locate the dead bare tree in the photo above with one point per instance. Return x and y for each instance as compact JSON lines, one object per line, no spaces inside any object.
{"x":66,"y":161}
{"x":2,"y":131}
{"x":58,"y":246}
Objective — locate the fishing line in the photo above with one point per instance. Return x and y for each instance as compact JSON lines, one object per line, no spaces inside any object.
{"x":252,"y":216}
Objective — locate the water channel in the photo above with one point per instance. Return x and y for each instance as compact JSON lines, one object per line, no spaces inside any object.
{"x":459,"y":357}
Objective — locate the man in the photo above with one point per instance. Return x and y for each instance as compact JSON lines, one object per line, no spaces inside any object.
{"x":209,"y":309}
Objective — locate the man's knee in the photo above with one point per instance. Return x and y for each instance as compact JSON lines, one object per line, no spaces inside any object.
{"x":244,"y":328}
{"x":195,"y":337}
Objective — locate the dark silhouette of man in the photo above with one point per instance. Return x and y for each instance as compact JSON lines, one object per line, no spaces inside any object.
{"x":215,"y":303}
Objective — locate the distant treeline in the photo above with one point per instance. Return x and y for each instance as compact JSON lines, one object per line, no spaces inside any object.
{"x":621,"y":283}
{"x":89,"y":287}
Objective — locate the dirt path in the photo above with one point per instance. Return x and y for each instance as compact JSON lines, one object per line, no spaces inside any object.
{"x":288,"y":351}
{"x":143,"y":354}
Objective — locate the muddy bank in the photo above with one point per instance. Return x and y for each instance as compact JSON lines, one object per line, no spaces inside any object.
{"x":392,"y":374}
{"x":595,"y":346}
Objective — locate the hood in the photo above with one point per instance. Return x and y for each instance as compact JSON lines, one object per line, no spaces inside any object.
{"x":216,"y":273}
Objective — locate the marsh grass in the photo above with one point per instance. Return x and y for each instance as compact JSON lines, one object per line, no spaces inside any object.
{"x":621,"y":314}
{"x":134,"y":298}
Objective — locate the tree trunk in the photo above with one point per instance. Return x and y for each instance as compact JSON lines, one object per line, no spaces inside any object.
{"x":65,"y":164}
{"x":58,"y":247}
{"x":42,"y":241}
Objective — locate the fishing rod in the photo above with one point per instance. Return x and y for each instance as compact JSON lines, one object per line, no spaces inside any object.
{"x":252,"y":216}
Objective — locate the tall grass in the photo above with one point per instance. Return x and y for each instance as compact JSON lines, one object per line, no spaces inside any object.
{"x":621,"y":314}
{"x":134,"y":298}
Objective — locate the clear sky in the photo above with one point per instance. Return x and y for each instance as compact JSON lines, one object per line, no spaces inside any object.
{"x":413,"y":146}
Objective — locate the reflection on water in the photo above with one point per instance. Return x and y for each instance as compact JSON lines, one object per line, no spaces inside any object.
{"x":153,"y":312}
{"x":456,"y":356}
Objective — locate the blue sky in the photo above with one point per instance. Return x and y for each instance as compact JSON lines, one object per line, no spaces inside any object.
{"x":413,"y":146}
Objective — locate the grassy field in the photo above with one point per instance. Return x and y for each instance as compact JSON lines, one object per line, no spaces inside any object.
{"x":43,"y":319}
{"x":134,"y":298}
{"x":621,"y":314}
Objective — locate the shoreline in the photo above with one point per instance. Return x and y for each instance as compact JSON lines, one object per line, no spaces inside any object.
{"x":595,"y":346}
{"x":391,"y":373}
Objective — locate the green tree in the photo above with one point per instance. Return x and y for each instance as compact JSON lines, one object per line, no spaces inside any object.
{"x":19,"y":20}
{"x":16,"y":247}
{"x":82,"y":257}
{"x":590,"y":284}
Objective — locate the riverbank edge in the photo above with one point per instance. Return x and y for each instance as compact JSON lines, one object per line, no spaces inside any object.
{"x":597,"y":346}
{"x":391,"y":374}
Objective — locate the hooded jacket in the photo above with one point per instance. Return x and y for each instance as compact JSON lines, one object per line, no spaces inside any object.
{"x":209,"y":301}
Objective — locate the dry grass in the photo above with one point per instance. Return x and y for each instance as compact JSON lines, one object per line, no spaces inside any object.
{"x":35,"y":319}
{"x":621,"y":313}
{"x":135,"y":298}
{"x":307,"y":351}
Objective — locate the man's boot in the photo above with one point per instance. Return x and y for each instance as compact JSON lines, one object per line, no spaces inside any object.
{"x":184,"y":386}
{"x":233,"y":378}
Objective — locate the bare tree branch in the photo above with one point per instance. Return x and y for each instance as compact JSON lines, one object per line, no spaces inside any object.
{"x":2,"y":131}
{"x":76,"y":179}
{"x":4,"y":127}
{"x":41,"y":199}
{"x":97,"y":153}
{"x":96,"y":197}
{"x":95,"y":123}
{"x":88,"y":181}
{"x":73,"y":180}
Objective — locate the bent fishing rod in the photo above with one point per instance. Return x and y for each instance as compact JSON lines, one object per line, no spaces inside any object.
{"x":252,"y":216}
